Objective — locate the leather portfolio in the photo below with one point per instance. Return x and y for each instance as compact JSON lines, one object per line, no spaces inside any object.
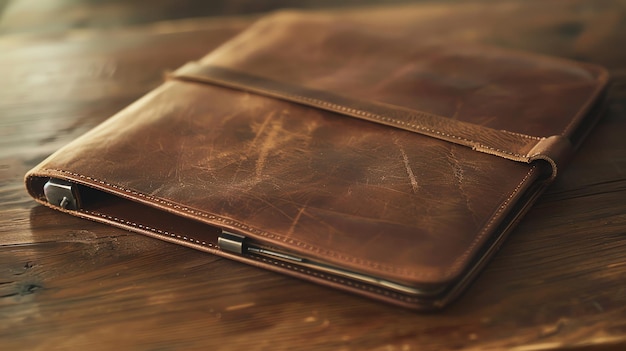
{"x":379,"y":163}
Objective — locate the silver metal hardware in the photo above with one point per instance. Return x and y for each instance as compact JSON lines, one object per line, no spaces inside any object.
{"x":273,"y":253}
{"x":62,"y":193}
{"x":237,"y":244}
{"x":323,"y":267}
{"x":231,"y":242}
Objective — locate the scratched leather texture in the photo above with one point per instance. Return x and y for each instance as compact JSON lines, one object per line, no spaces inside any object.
{"x":362,"y":195}
{"x":486,"y":86}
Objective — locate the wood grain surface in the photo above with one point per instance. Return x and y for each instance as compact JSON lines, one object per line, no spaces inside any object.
{"x":558,"y":283}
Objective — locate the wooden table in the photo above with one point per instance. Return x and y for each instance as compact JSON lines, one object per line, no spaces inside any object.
{"x":66,"y":283}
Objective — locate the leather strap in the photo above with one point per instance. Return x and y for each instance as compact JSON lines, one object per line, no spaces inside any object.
{"x":513,"y":146}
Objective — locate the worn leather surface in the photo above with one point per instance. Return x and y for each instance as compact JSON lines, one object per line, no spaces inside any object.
{"x":513,"y":146}
{"x":518,"y":92}
{"x":366,"y":196}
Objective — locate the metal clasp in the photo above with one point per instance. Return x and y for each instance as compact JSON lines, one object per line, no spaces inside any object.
{"x":231,"y":242}
{"x":62,"y":193}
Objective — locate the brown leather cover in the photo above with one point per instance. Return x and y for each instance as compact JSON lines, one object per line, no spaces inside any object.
{"x":375,"y":152}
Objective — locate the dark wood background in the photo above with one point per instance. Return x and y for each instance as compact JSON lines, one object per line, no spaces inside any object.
{"x":65,"y":283}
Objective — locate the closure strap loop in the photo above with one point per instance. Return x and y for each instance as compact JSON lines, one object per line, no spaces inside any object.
{"x":513,"y":146}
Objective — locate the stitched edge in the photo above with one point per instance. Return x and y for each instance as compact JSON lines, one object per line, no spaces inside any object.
{"x":296,"y":268}
{"x":145,"y":227}
{"x":231,"y":83}
{"x":472,"y":143}
{"x":522,"y":135}
{"x":342,"y":281}
{"x":335,"y":107}
{"x":489,"y":225}
{"x":374,"y":265}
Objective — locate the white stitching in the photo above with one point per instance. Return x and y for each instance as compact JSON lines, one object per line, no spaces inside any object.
{"x":144,"y":227}
{"x":329,"y":253}
{"x":367,"y":114}
{"x":522,"y":135}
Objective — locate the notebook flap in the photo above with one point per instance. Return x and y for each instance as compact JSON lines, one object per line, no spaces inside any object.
{"x":517,"y":106}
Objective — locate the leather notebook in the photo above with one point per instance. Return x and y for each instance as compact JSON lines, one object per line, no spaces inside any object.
{"x":376,"y":163}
